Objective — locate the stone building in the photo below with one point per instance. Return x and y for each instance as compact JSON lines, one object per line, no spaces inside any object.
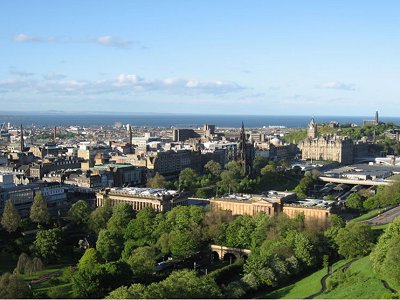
{"x":161,"y":200}
{"x":274,"y":203}
{"x":246,"y":204}
{"x":331,"y":148}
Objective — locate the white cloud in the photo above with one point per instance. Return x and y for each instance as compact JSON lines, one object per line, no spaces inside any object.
{"x":54,"y":76}
{"x":26,"y":38}
{"x":56,"y":84}
{"x":109,"y":40}
{"x":337,"y":86}
{"x":105,"y":40}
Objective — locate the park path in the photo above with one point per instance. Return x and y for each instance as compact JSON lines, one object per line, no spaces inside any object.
{"x":323,"y":279}
{"x":384,"y":218}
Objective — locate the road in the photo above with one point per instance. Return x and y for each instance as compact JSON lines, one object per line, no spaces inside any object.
{"x":384,"y":218}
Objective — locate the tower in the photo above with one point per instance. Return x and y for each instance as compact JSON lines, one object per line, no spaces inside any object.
{"x":55,"y":134}
{"x":245,"y":153}
{"x":312,"y":130}
{"x":22,"y":139}
{"x":376,"y":121}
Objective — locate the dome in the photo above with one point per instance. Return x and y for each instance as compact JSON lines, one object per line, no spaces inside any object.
{"x":275,"y":141}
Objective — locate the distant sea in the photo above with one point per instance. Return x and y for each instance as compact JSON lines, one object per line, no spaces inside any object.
{"x":177,"y":120}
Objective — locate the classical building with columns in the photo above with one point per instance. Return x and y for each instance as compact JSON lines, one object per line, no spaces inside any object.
{"x":161,"y":200}
{"x":247,"y":204}
{"x":316,"y":212}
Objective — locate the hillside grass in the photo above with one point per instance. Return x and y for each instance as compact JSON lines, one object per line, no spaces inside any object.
{"x":360,"y":283}
{"x":368,"y":215}
{"x":304,"y":287}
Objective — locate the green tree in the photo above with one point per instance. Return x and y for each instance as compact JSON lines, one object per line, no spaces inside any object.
{"x":239,"y":232}
{"x":121,"y":216}
{"x":390,"y":266}
{"x":229,"y":183}
{"x":48,"y":243}
{"x":140,"y":229}
{"x":184,"y":285}
{"x":213,"y":167}
{"x":356,"y":239}
{"x":86,"y":283}
{"x":188,"y":179}
{"x":285,"y":164}
{"x":11,"y":219}
{"x":89,"y":259}
{"x":23,"y":260}
{"x":39,"y":213}
{"x":184,"y":243}
{"x":109,"y":245}
{"x":269,"y":168}
{"x":213,"y":220}
{"x":259,"y":162}
{"x":135,"y":291}
{"x":142,"y":261}
{"x":158,"y":181}
{"x":354,"y":201}
{"x":382,"y":256}
{"x":79,"y":212}
{"x":99,"y":217}
{"x":12,"y":286}
{"x":305,"y":185}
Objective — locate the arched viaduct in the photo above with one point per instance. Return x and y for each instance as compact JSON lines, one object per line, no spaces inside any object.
{"x":225,"y":253}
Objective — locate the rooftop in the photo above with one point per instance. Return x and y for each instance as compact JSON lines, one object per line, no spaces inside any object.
{"x":104,"y":166}
{"x":144,"y":191}
{"x":270,"y":196}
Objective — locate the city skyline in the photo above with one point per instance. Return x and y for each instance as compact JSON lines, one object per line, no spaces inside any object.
{"x":258,"y":57}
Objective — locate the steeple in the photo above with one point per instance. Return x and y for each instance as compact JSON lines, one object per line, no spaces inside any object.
{"x":22,"y":139}
{"x":245,"y":156}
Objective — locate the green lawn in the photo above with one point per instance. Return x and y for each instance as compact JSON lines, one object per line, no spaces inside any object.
{"x":368,"y":215}
{"x":304,"y":287}
{"x":361,"y":283}
{"x":380,"y":227}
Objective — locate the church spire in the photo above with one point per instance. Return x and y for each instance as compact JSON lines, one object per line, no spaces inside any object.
{"x":22,"y":139}
{"x":244,"y":152}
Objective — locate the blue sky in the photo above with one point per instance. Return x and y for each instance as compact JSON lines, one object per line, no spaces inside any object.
{"x":242,"y":57}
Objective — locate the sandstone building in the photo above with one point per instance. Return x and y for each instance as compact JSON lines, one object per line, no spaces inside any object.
{"x":315,"y":212}
{"x":161,"y":200}
{"x":331,"y":148}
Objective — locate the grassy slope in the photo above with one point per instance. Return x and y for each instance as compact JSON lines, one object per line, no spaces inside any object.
{"x":304,"y":287}
{"x":368,"y":215}
{"x":363,"y":284}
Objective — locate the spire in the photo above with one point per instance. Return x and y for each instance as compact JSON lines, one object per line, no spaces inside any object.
{"x":22,"y":139}
{"x":243,"y":155}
